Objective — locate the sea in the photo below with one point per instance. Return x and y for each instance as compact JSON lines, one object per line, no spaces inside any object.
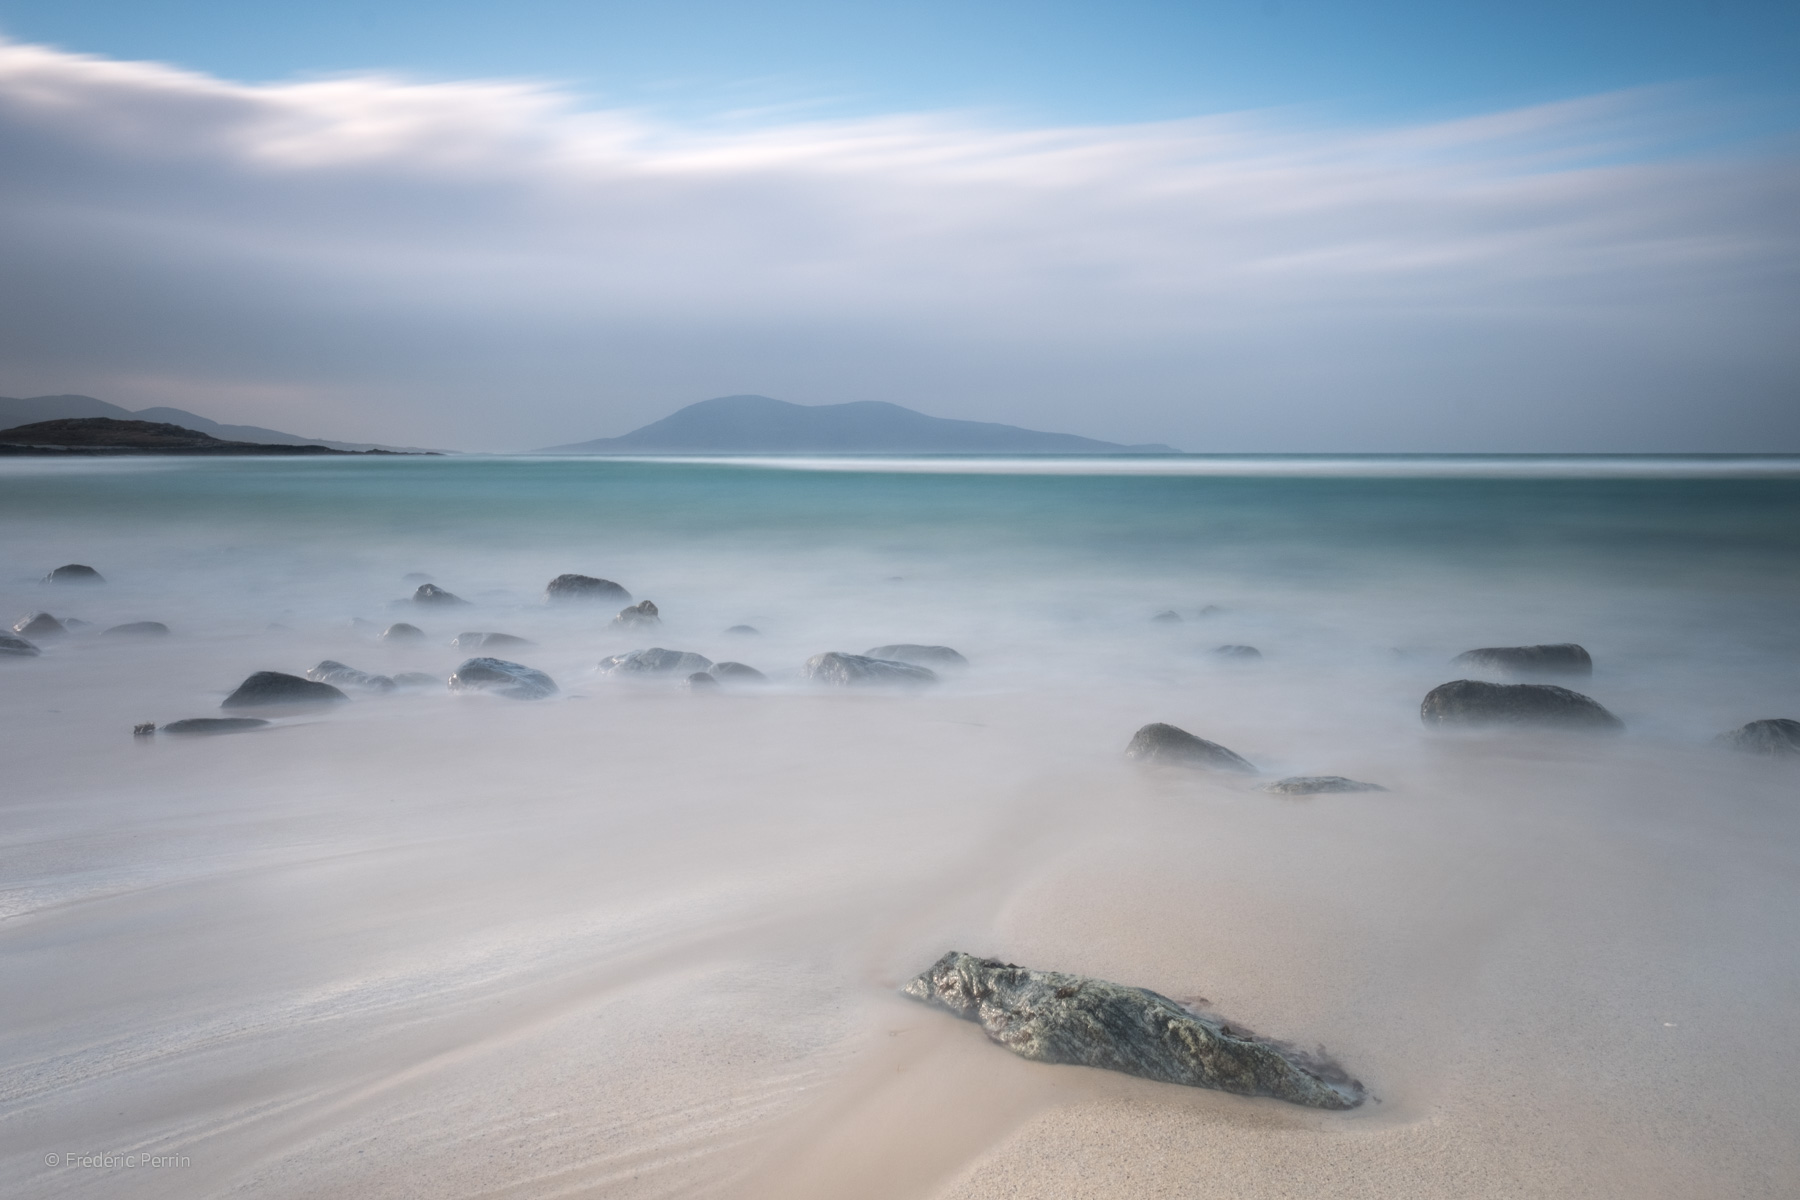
{"x":641,"y":938}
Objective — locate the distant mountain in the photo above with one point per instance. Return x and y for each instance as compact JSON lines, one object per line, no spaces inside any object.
{"x":759,"y":425}
{"x":109,"y":436}
{"x":61,"y":408}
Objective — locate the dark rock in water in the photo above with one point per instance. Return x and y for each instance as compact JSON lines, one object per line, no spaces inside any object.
{"x":412,"y":680}
{"x":490,"y":641}
{"x":1159,"y":743}
{"x":400,"y":631}
{"x":1051,"y":1017}
{"x":655,"y":661}
{"x":214,"y":725}
{"x":856,"y":670}
{"x":1775,"y":735}
{"x":1168,"y":617}
{"x":585,"y":587}
{"x":39,"y":625}
{"x":1318,"y":785}
{"x":339,"y":675}
{"x":509,"y":679}
{"x":1564,"y":658}
{"x":1211,"y":610}
{"x":74,"y":573}
{"x":139,"y":629}
{"x":638,"y":614}
{"x":737,"y":672}
{"x":74,"y":623}
{"x":143,"y":730}
{"x":1473,"y":702}
{"x":700,"y":681}
{"x":273,"y":687}
{"x":924,"y":656}
{"x":744,"y":631}
{"x":17,"y":647}
{"x":431,"y":593}
{"x":1237,"y":653}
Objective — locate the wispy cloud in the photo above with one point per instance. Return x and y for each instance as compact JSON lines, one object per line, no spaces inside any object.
{"x":493,"y":263}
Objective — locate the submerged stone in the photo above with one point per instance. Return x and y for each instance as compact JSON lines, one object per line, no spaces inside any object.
{"x":39,"y":625}
{"x":18,"y":647}
{"x":924,"y":656}
{"x":1160,"y":743}
{"x":491,"y":641}
{"x":1563,"y":658}
{"x":1474,"y":703}
{"x":274,"y":687}
{"x":412,"y":680}
{"x":1774,"y":735}
{"x":339,"y":675}
{"x":655,"y":661}
{"x":510,"y":679}
{"x":744,"y":631}
{"x":1167,"y":617}
{"x":139,"y":629}
{"x":1051,"y":1017}
{"x":74,"y":573}
{"x":431,"y":593}
{"x":700,"y":681}
{"x":195,"y":725}
{"x":1318,"y":785}
{"x":857,"y":670}
{"x":400,"y":631}
{"x":642,"y":613}
{"x":584,"y":587}
{"x":1237,"y":653}
{"x":737,"y":672}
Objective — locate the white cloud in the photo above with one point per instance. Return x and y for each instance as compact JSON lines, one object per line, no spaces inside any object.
{"x":491,"y":264}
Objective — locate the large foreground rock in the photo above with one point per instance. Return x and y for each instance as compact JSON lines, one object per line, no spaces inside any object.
{"x":585,"y":587}
{"x":1474,"y":703}
{"x":1051,"y":1017}
{"x":655,"y":661}
{"x":273,"y":687}
{"x":340,"y":676}
{"x":214,"y":725}
{"x":1775,"y":735}
{"x":18,"y":647}
{"x":1159,"y":743}
{"x":74,"y":573}
{"x":922,"y":656}
{"x":857,"y":670}
{"x":509,"y":679}
{"x":1563,"y":658}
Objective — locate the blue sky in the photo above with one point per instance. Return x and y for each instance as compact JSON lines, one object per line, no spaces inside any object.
{"x":1052,"y":61}
{"x":1258,"y":226}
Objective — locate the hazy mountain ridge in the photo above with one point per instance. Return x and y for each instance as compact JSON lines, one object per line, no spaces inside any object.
{"x":762,"y":425}
{"x":31,"y":410}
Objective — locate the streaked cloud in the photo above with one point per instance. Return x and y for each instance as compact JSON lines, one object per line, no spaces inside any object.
{"x":492,"y":264}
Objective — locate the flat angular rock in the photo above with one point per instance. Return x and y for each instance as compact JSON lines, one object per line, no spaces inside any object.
{"x":1318,"y":785}
{"x":74,"y":573}
{"x":1237,"y":653}
{"x":341,"y":676}
{"x":509,"y":679}
{"x":642,"y":613}
{"x":1564,"y":658}
{"x":18,"y":647}
{"x":489,"y":641}
{"x":923,"y":656}
{"x":1775,"y":735}
{"x":857,"y":670}
{"x":400,"y":631}
{"x":1474,"y":703}
{"x":273,"y":687}
{"x":431,"y":593}
{"x":139,"y":629}
{"x":655,"y":661}
{"x":737,"y":672}
{"x":210,"y":725}
{"x":39,"y":625}
{"x":1051,"y":1017}
{"x":1159,"y":743}
{"x":585,"y":587}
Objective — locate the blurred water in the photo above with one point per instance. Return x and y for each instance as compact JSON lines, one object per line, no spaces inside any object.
{"x":638,"y":941}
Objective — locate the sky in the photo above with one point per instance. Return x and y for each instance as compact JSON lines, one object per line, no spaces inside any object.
{"x":1233,"y":227}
